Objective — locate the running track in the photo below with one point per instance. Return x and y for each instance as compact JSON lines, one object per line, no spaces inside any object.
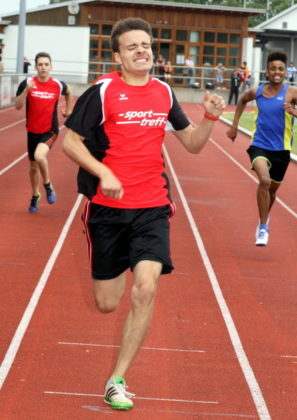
{"x":223,"y":342}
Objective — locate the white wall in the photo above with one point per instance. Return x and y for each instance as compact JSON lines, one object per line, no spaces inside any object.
{"x":68,"y":47}
{"x":247,"y":51}
{"x":290,"y":18}
{"x":257,"y":60}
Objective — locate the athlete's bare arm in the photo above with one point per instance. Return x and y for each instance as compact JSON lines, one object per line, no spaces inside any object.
{"x":250,"y":95}
{"x":75,"y":149}
{"x":291,"y":101}
{"x":20,"y":100}
{"x":194,"y":138}
{"x":68,"y":101}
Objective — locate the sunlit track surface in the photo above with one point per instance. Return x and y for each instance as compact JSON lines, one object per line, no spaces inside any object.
{"x":202,"y":358}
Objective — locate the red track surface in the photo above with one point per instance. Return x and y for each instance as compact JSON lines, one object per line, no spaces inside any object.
{"x":223,"y":342}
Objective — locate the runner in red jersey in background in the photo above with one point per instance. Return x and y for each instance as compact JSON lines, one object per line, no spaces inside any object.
{"x":41,"y":94}
{"x":116,"y":133}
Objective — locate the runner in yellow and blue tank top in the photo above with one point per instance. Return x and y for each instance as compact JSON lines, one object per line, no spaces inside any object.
{"x":272,"y":135}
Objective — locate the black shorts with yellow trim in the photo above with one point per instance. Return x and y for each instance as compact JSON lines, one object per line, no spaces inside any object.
{"x":118,"y":239}
{"x":278,"y":161}
{"x":33,"y":140}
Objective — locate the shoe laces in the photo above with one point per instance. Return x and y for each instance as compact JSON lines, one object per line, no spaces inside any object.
{"x":121,"y":388}
{"x":262,"y":233}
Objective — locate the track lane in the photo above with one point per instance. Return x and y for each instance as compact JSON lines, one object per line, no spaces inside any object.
{"x":43,"y":365}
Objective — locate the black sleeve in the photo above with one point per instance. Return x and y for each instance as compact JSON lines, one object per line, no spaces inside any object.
{"x":87,"y":113}
{"x":21,"y":87}
{"x":64,"y":88}
{"x":177,"y":117}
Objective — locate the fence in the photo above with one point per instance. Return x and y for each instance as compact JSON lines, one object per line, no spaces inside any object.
{"x":86,"y":72}
{"x":201,"y":77}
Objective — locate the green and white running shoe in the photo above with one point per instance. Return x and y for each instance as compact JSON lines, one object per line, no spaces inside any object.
{"x":116,"y":394}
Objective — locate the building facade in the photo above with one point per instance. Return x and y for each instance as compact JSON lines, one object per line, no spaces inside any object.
{"x":209,"y":34}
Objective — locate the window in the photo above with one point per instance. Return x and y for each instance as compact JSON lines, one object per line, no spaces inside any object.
{"x":106,"y":55}
{"x":94,"y":43}
{"x":105,"y":44}
{"x":222,"y":51}
{"x":209,"y":37}
{"x":180,"y":49}
{"x":208,"y":50}
{"x":93,"y":54}
{"x":165,"y":33}
{"x":106,"y":30}
{"x":181,"y":35}
{"x":93,"y":29}
{"x":222,"y":38}
{"x":234,"y":39}
{"x":155,"y":32}
{"x":234,"y":51}
{"x":194,"y":36}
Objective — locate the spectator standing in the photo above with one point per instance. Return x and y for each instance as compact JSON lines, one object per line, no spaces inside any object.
{"x":160,"y":65}
{"x":168,"y":72}
{"x":220,"y":70}
{"x":189,"y":70}
{"x":245,"y":77}
{"x":234,"y":88}
{"x":291,"y":70}
{"x":26,"y":64}
{"x":1,"y":52}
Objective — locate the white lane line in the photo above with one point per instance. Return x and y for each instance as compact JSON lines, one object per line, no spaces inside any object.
{"x":288,"y":357}
{"x":154,"y":411}
{"x":12,"y":125}
{"x":26,"y":318}
{"x":282,"y":203}
{"x":2,"y":171}
{"x":12,"y":164}
{"x":78,"y":394}
{"x":234,"y":336}
{"x":7,"y":109}
{"x":116,"y":346}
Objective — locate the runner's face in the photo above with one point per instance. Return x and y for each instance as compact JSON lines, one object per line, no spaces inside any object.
{"x":135,"y":53}
{"x":43,"y":67}
{"x":276,"y":72}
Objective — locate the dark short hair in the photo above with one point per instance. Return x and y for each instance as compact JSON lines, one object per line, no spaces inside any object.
{"x":277,"y":55}
{"x":126,"y":25}
{"x":42,"y":54}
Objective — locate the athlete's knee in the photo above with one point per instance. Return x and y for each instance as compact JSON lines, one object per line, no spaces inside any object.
{"x":39,"y":157}
{"x":33,"y":166}
{"x":265,"y":182}
{"x":143,"y":293}
{"x":106,"y":305}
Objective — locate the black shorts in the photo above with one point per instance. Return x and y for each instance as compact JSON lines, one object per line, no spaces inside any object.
{"x":120,"y":238}
{"x":278,"y":161}
{"x":33,"y":139}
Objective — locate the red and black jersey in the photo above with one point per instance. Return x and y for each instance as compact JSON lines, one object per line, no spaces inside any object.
{"x":124,"y":128}
{"x":41,"y":104}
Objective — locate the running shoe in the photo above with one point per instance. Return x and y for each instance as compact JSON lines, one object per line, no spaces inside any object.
{"x":33,"y":208}
{"x":258,"y":226}
{"x":116,"y":394}
{"x":262,"y":237}
{"x":50,"y":193}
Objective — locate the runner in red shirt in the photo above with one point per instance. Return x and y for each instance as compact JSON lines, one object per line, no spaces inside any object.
{"x":41,"y":94}
{"x":116,"y":133}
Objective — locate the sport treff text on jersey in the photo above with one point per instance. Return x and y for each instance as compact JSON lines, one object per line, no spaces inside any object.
{"x":273,"y":127}
{"x":124,"y":128}
{"x":41,"y":104}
